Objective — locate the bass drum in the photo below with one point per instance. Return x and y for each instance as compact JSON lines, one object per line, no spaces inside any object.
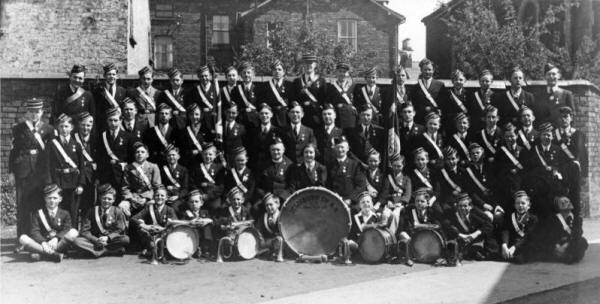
{"x":247,"y":242}
{"x":376,"y":244}
{"x":313,"y":221}
{"x":427,"y":245}
{"x":181,"y":241}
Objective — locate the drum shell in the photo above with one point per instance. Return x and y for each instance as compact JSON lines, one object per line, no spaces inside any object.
{"x":242,"y":250}
{"x":427,"y":245}
{"x":376,"y":244}
{"x":181,"y":241}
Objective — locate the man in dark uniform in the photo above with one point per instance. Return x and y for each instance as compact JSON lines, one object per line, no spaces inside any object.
{"x":206,"y":96}
{"x":173,"y":96}
{"x":346,"y":176}
{"x":190,"y":138}
{"x":27,"y":162}
{"x":512,"y":100}
{"x":555,"y":97}
{"x":366,"y":135}
{"x":509,"y":165}
{"x":176,"y":178}
{"x":297,"y":135}
{"x":409,"y":131}
{"x":370,"y":95}
{"x":146,"y":95}
{"x":310,"y":90}
{"x":273,"y":179}
{"x":234,"y":133}
{"x":245,"y":95}
{"x":308,"y":173}
{"x":527,"y":134}
{"x":325,"y":136}
{"x":208,"y":177}
{"x":88,"y":142}
{"x":108,"y":95}
{"x":132,"y":124}
{"x":341,"y":95}
{"x":490,"y":136}
{"x":427,"y":94}
{"x":114,"y":150}
{"x":261,"y":138}
{"x":478,"y":101}
{"x":277,"y":93}
{"x":160,"y":136}
{"x":73,"y":98}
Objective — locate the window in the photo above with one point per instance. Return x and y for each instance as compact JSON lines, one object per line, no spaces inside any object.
{"x":220,"y":30}
{"x":163,"y":52}
{"x":163,"y":9}
{"x":347,"y":32}
{"x":272,"y":28}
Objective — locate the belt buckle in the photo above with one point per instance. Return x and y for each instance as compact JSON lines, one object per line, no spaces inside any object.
{"x":66,"y":171}
{"x":33,"y":152}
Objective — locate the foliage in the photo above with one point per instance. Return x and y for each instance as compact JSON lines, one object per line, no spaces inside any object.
{"x":288,"y":43}
{"x":8,"y":200}
{"x":587,"y":60}
{"x":488,"y":35}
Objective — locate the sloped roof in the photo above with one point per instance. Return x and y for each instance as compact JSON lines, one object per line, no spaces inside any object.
{"x":443,"y":9}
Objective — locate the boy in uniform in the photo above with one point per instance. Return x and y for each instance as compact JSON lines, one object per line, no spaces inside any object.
{"x":108,"y":95}
{"x":199,"y":217}
{"x":518,"y":227}
{"x":73,"y":98}
{"x":88,"y":143}
{"x":175,"y":177}
{"x":230,"y":216}
{"x":173,"y":96}
{"x":114,"y":150}
{"x":208,"y":176}
{"x":146,"y":95}
{"x":132,"y":124}
{"x":268,"y":226}
{"x":141,"y":177}
{"x":161,"y":135}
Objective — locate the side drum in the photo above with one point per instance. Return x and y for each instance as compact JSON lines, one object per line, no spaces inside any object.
{"x":376,"y":244}
{"x":247,"y":242}
{"x":181,"y":241}
{"x":427,"y":245}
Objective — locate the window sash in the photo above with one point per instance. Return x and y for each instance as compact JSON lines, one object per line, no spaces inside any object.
{"x":347,"y":32}
{"x":163,"y":52}
{"x":220,"y":30}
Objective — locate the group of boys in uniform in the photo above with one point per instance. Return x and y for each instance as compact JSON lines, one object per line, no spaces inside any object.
{"x":496,"y":172}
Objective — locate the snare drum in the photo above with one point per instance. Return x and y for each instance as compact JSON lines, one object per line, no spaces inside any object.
{"x":427,"y":245}
{"x":181,"y":241}
{"x":247,"y":242}
{"x":376,"y":244}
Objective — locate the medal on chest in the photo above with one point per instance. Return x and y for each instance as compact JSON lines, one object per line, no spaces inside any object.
{"x":344,"y":169}
{"x":83,"y":102}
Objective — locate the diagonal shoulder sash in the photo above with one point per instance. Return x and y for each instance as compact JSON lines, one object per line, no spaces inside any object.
{"x":423,"y":179}
{"x":44,"y":220}
{"x":512,"y":101}
{"x":449,"y":180}
{"x":476,"y":180}
{"x":415,"y":217}
{"x":36,"y":135}
{"x":193,"y":138}
{"x":170,"y":176}
{"x":152,"y":215}
{"x":462,"y":145}
{"x":368,"y":99}
{"x":206,"y":174}
{"x":306,"y":91}
{"x":232,"y":213}
{"x":110,"y":98}
{"x":512,"y":158}
{"x":146,"y":98}
{"x":541,"y":158}
{"x":266,"y":221}
{"x":205,"y":100}
{"x":161,"y":137}
{"x":461,"y":222}
{"x":227,"y":94}
{"x":458,"y":102}
{"x":87,"y":156}
{"x":75,"y":95}
{"x":109,"y":151}
{"x":393,"y":183}
{"x":64,"y":154}
{"x":189,"y":214}
{"x":437,"y":149}
{"x":238,"y":182}
{"x":173,"y":100}
{"x":142,"y":175}
{"x":427,"y":94}
{"x":515,"y":224}
{"x":524,"y":139}
{"x":487,"y":142}
{"x":557,"y":135}
{"x":98,"y":221}
{"x":342,"y":93}
{"x":360,"y":223}
{"x":479,"y":102}
{"x":276,"y":93}
{"x":562,"y":221}
{"x":243,"y":95}
{"x":568,"y":152}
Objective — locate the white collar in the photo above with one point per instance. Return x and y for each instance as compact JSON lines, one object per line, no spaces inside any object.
{"x":267,"y":127}
{"x":84,"y":138}
{"x":341,"y":160}
{"x":552,"y":89}
{"x":546,"y":148}
{"x":527,"y":129}
{"x":329,"y":128}
{"x":277,"y":161}
{"x":65,"y":138}
{"x":409,"y":124}
{"x":73,"y":89}
{"x":310,"y":165}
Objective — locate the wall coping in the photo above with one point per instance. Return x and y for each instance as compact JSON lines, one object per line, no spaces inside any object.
{"x":497,"y":84}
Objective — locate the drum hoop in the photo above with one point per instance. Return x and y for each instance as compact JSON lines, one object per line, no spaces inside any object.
{"x":252,"y":230}
{"x":382,"y":236}
{"x":438,"y":236}
{"x":177,"y":227}
{"x":298,"y":192}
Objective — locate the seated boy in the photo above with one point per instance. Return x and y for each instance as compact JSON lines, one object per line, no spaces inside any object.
{"x":517,"y":227}
{"x":51,"y":231}
{"x":269,"y":227}
{"x":363,"y":219}
{"x":152,"y":220}
{"x":141,"y":176}
{"x":104,"y":226}
{"x":231,"y":216}
{"x":175,"y":177}
{"x":199,"y":217}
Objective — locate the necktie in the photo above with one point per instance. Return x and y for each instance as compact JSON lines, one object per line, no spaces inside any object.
{"x":297,"y":130}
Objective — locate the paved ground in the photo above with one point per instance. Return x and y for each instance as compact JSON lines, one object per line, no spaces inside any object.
{"x":128,"y":279}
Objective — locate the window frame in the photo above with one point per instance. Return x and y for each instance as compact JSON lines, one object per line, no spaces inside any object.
{"x":224,"y":28}
{"x":158,"y":42}
{"x":352,"y":28}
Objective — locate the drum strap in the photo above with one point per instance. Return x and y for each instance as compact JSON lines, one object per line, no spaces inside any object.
{"x":44,"y":220}
{"x":461,"y":222}
{"x":512,"y":158}
{"x":238,"y":181}
{"x":360,"y":224}
{"x":458,"y":102}
{"x":161,"y":137}
{"x":564,"y":224}
{"x":206,"y":174}
{"x":87,"y":156}
{"x":266,"y":221}
{"x":36,"y":135}
{"x":227,"y":96}
{"x":98,"y":221}
{"x":393,"y":183}
{"x":232,"y":213}
{"x":415,"y":217}
{"x":75,"y":95}
{"x":342,"y":93}
{"x":276,"y":93}
{"x":109,"y":151}
{"x":108,"y":96}
{"x":146,"y":98}
{"x":173,"y":100}
{"x":432,"y":142}
{"x":557,"y":135}
{"x":565,"y":149}
{"x":152,"y":214}
{"x":190,"y":214}
{"x":487,"y":142}
{"x":542,"y":160}
{"x":427,"y":94}
{"x":194,"y":139}
{"x":142,"y":175}
{"x":423,"y":179}
{"x":515,"y":223}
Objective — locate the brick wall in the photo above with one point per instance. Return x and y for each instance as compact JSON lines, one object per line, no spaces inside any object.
{"x":49,"y":36}
{"x":16,"y":90}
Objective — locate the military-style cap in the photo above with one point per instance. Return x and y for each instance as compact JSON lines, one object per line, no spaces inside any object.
{"x":193,"y":193}
{"x":270,"y":196}
{"x":83,"y":115}
{"x":509,"y":127}
{"x":109,"y":67}
{"x":523,"y":109}
{"x":294,"y":104}
{"x":342,"y":66}
{"x":235,"y":191}
{"x":486,"y":72}
{"x":463,"y":196}
{"x":275,"y":140}
{"x":419,"y":150}
{"x":460,"y":116}
{"x":202,"y":69}
{"x":520,"y":193}
{"x":171,"y":147}
{"x":106,"y":189}
{"x":229,"y":69}
{"x":208,"y":145}
{"x":364,"y":108}
{"x":127,"y":100}
{"x":34,"y":104}
{"x":145,"y":70}
{"x":431,"y":115}
{"x":562,"y":203}
{"x":372,"y":151}
{"x":160,"y":187}
{"x":78,"y":68}
{"x":114,"y":111}
{"x":406,"y":105}
{"x":275,"y":63}
{"x":192,"y":107}
{"x":490,"y":108}
{"x":449,"y":151}
{"x":309,"y":57}
{"x":139,"y":144}
{"x":397,"y":158}
{"x":474,"y":145}
{"x":565,"y":110}
{"x":422,"y":191}
{"x":372,"y":71}
{"x":239,"y":150}
{"x":245,"y":66}
{"x":545,"y":127}
{"x":340,"y":140}
{"x":548,"y":67}
{"x":163,"y":106}
{"x":363,"y":195}
{"x":51,"y":188}
{"x":264,"y":105}
{"x":173,"y":72}
{"x":328,"y":106}
{"x":62,"y":118}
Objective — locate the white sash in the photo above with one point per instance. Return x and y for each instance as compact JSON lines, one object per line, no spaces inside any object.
{"x":427,"y":94}
{"x":98,"y":221}
{"x":562,"y":221}
{"x":368,"y":99}
{"x":206,"y":174}
{"x":437,"y":149}
{"x":87,"y":156}
{"x":238,"y":182}
{"x":152,"y":215}
{"x":226,"y":92}
{"x":306,"y":91}
{"x":449,"y":180}
{"x":146,"y":98}
{"x":342,"y":93}
{"x":458,"y":102}
{"x":423,"y":179}
{"x":565,"y":149}
{"x":44,"y":220}
{"x":170,"y":176}
{"x":461,"y":222}
{"x":399,"y":97}
{"x":276,"y":93}
{"x":108,"y":96}
{"x":462,"y":145}
{"x":512,"y":158}
{"x":172,"y":98}
{"x":64,"y":154}
{"x":487,"y":142}
{"x":194,"y":139}
{"x":75,"y":95}
{"x":479,"y":102}
{"x":358,"y":221}
{"x":415,"y":217}
{"x":476,"y":180}
{"x":246,"y":102}
{"x":266,"y":221}
{"x":205,"y":100}
{"x":515,"y":224}
{"x":36,"y":135}
{"x":107,"y":147}
{"x":393,"y":183}
{"x":524,"y":140}
{"x":160,"y":136}
{"x":557,"y":134}
{"x":512,"y":100}
{"x":143,"y":176}
{"x":542,"y":160}
{"x":232,"y":213}
{"x":190,"y":214}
